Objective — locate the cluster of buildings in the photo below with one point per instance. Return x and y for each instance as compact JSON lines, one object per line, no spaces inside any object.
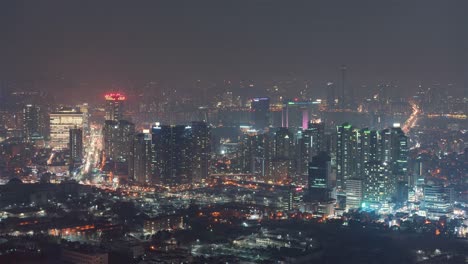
{"x":164,"y":154}
{"x":287,"y":160}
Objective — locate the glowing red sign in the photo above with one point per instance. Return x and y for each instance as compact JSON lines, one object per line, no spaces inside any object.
{"x":115,"y":97}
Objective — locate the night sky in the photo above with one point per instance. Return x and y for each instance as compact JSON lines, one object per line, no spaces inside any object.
{"x":102,"y":44}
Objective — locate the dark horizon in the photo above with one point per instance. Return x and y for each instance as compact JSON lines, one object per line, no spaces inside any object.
{"x":99,"y":46}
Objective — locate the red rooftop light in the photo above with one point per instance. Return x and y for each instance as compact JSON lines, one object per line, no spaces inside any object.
{"x":115,"y":97}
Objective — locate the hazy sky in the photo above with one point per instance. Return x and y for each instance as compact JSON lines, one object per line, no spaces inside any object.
{"x":103,"y":43}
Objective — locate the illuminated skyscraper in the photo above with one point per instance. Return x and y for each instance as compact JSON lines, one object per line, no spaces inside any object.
{"x":260,"y":108}
{"x":114,"y":106}
{"x":394,"y":151}
{"x":173,"y":157}
{"x":84,"y":108}
{"x":345,"y":154}
{"x":201,"y":147}
{"x":319,"y":171}
{"x":60,"y":124}
{"x":118,"y":140}
{"x":309,"y":143}
{"x":379,"y":183}
{"x":316,"y":133}
{"x":76,"y":145}
{"x":283,"y":147}
{"x":256,"y":154}
{"x":367,"y":149}
{"x":282,"y":155}
{"x":31,"y":117}
{"x":438,"y":201}
{"x":140,"y":169}
{"x":354,"y":193}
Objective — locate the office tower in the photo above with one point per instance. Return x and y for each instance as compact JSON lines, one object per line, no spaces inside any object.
{"x":283,"y":147}
{"x":331,"y":97}
{"x":60,"y":124}
{"x":438,"y":201}
{"x":282,"y":155}
{"x":140,"y":169}
{"x":76,"y":145}
{"x":118,"y":140}
{"x":420,"y":170}
{"x":31,"y":117}
{"x":84,"y":108}
{"x":319,"y":171}
{"x":394,"y":151}
{"x":309,"y":143}
{"x":303,"y":150}
{"x":316,"y":133}
{"x":256,"y":154}
{"x":173,"y":157}
{"x":114,"y":106}
{"x":260,"y":108}
{"x":379,"y":184}
{"x":354,"y":193}
{"x":345,"y":154}
{"x":201,"y":147}
{"x":367,"y":149}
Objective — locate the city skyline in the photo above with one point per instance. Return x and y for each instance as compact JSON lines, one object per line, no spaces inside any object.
{"x":234,"y":132}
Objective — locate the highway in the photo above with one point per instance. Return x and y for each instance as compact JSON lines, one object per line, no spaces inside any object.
{"x":413,"y":118}
{"x":92,"y":149}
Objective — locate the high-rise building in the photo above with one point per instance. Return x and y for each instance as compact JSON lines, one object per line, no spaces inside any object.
{"x":394,"y":151}
{"x":331,"y":96}
{"x":256,"y":154}
{"x":114,"y":106}
{"x":140,"y":168}
{"x":316,"y":134}
{"x":367,"y":149}
{"x":60,"y":124}
{"x":118,"y":140}
{"x":377,"y":158}
{"x":319,"y":171}
{"x":282,"y":155}
{"x":379,"y":183}
{"x":76,"y":145}
{"x":201,"y":147}
{"x":84,"y":108}
{"x":173,"y":157}
{"x":354,"y":193}
{"x":309,"y":143}
{"x":283,"y":147}
{"x":319,"y":182}
{"x":260,"y":108}
{"x":31,"y":117}
{"x":345,"y":154}
{"x":438,"y":201}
